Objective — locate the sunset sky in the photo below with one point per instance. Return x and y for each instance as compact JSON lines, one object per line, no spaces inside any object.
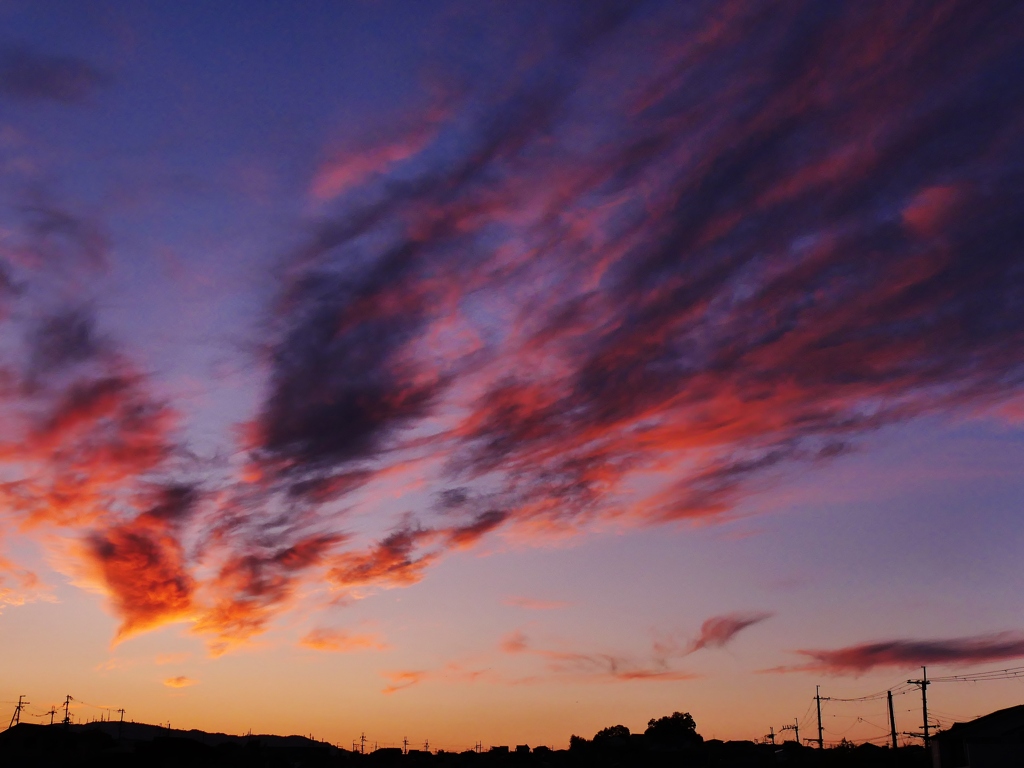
{"x":495,"y":372}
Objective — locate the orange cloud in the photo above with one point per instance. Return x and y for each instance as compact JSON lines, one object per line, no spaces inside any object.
{"x":391,"y":562}
{"x":250,"y":588}
{"x":146,"y":576}
{"x":179,"y":682}
{"x":402,"y":680}
{"x":340,"y":641}
{"x":18,"y":585}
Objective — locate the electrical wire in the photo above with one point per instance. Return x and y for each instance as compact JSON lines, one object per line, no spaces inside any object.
{"x":1010,"y":673}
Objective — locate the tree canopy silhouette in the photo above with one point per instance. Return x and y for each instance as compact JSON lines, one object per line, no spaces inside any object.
{"x":612,"y":734}
{"x":677,"y":729}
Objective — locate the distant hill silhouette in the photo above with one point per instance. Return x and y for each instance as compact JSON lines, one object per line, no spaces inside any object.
{"x":670,"y":741}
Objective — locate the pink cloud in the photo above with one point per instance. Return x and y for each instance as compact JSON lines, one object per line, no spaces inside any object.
{"x":515,"y":642}
{"x":718,"y":631}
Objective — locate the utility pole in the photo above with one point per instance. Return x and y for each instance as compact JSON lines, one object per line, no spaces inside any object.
{"x":795,"y":728}
{"x":923,"y":684}
{"x":16,"y":717}
{"x":52,"y":712}
{"x":426,"y":745}
{"x":362,"y":744}
{"x":67,"y":707}
{"x":405,"y":745}
{"x":771,"y":735}
{"x":892,"y":720}
{"x":120,"y":723}
{"x":817,"y":698}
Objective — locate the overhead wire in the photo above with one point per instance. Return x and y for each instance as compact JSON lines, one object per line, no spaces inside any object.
{"x":1010,"y":673}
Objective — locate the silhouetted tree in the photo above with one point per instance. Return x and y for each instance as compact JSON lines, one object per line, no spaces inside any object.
{"x":577,"y":742}
{"x":676,"y":730}
{"x":612,"y":733}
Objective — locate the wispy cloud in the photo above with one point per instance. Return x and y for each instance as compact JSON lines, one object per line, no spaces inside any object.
{"x":179,"y":682}
{"x":907,"y":654}
{"x":593,"y":667}
{"x":19,"y":585}
{"x":340,"y":641}
{"x":403,"y":679}
{"x":572,"y":294}
{"x":514,"y":642}
{"x":749,"y":266}
{"x":718,"y":631}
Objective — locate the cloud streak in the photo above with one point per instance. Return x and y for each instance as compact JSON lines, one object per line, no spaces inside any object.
{"x":179,"y":682}
{"x":575,"y":285}
{"x":572,"y":292}
{"x":340,"y":641}
{"x":907,"y":654}
{"x":718,"y":631}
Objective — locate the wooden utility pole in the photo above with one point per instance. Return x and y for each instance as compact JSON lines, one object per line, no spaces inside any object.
{"x":892,"y":719}
{"x":16,"y":717}
{"x":817,"y":699}
{"x":795,"y":728}
{"x":923,"y":684}
{"x":67,"y":710}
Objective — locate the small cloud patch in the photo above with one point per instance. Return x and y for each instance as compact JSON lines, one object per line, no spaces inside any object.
{"x":179,"y":682}
{"x":339,"y":641}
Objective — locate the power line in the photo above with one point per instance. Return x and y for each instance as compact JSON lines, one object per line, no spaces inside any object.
{"x":1011,"y":673}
